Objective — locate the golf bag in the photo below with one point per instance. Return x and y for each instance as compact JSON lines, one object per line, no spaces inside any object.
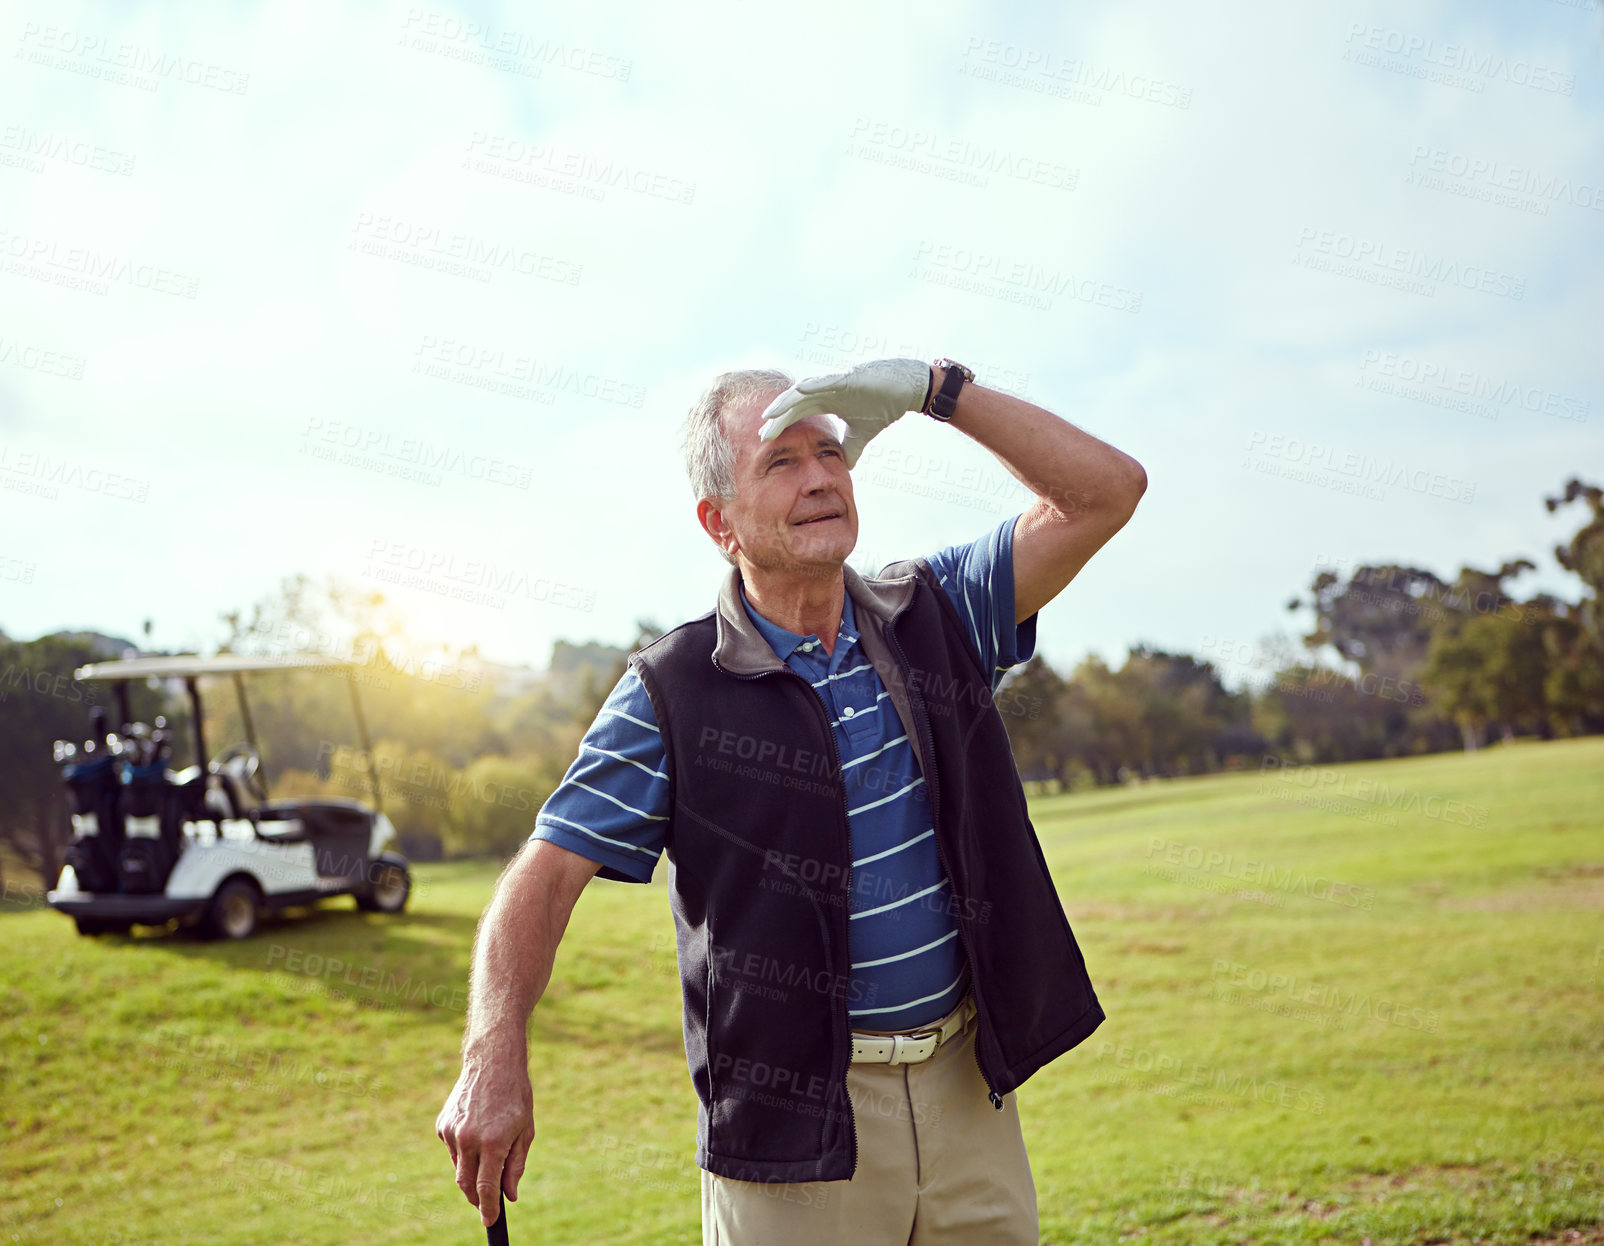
{"x":94,"y":801}
{"x":152,"y":828}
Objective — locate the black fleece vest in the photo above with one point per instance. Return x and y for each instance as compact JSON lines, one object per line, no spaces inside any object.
{"x":760,"y":877}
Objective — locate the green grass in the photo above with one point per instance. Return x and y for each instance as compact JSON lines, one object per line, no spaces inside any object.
{"x":1331,"y":1030}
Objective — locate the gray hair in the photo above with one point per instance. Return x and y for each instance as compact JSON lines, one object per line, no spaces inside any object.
{"x":709,"y":453}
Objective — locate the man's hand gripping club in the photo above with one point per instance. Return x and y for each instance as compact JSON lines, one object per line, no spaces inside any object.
{"x":488,"y":1124}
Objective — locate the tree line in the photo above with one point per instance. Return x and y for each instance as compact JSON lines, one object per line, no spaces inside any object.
{"x":1398,"y":661}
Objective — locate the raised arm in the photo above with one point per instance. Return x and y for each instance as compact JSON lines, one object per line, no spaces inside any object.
{"x":488,"y":1121}
{"x":1085,"y":489}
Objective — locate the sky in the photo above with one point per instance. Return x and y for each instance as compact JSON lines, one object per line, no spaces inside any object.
{"x":417,"y":296}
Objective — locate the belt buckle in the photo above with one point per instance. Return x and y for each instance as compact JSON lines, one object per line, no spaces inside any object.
{"x":897,"y":1041}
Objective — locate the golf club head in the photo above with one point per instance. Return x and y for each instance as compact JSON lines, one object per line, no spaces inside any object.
{"x":497,"y":1232}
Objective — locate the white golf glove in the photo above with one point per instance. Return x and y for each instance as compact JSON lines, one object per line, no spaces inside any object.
{"x":868,"y":399}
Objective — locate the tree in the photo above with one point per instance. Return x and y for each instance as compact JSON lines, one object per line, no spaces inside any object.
{"x":1184,"y":709}
{"x":1475,"y":592}
{"x":1454,"y":673}
{"x":1380,"y":618}
{"x":1160,"y":714}
{"x":1574,"y":685}
{"x":493,"y":806}
{"x":1583,"y":555}
{"x":1038,"y":733}
{"x":422,"y":693}
{"x":600,"y":667}
{"x":1316,"y":713}
{"x":415,"y":786}
{"x":1575,"y":636}
{"x":1486,"y":662}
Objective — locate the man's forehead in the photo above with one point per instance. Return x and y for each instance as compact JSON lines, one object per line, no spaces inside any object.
{"x":745,"y":424}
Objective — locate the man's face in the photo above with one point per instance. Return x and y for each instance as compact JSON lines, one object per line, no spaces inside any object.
{"x":793,"y":509}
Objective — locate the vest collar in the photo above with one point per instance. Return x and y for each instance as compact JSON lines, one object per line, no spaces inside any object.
{"x":742,"y":649}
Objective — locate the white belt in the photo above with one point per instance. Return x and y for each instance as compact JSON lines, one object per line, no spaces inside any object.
{"x":913,"y":1047}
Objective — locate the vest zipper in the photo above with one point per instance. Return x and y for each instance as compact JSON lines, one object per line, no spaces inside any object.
{"x":935,"y":819}
{"x":846,"y":823}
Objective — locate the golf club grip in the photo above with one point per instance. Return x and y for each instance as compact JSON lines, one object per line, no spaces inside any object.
{"x":497,"y":1232}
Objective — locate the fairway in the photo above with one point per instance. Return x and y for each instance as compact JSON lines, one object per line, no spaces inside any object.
{"x":1350,"y":1002}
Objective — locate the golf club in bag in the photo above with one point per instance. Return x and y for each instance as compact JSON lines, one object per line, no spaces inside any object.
{"x":152,"y":819}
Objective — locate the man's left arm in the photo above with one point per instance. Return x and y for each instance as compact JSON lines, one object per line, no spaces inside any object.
{"x":1085,"y":489}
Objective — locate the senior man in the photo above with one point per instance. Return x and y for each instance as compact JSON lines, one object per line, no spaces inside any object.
{"x":873,"y":956}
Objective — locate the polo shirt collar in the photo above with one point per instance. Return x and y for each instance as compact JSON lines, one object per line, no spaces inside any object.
{"x":743,"y":648}
{"x":784,"y":642}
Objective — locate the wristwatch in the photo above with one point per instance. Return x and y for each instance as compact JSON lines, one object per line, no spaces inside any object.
{"x":941,"y":405}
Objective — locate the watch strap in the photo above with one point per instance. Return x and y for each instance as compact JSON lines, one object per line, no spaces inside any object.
{"x":944,"y":402}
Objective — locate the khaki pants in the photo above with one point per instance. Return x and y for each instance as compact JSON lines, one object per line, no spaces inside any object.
{"x":937,"y":1166}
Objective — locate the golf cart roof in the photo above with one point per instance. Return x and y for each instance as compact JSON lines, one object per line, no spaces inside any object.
{"x":187,"y":665}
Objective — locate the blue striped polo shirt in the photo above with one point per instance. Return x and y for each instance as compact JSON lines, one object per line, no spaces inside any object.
{"x":909,"y":968}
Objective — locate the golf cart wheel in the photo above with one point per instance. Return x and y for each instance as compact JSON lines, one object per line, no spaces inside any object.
{"x":232,"y":912}
{"x":91,"y":926}
{"x":388,"y":891}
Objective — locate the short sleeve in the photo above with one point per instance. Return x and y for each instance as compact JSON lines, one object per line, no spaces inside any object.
{"x":612,"y":806}
{"x":979,"y":581}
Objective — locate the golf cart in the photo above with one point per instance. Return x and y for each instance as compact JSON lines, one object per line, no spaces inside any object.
{"x":208,"y":846}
